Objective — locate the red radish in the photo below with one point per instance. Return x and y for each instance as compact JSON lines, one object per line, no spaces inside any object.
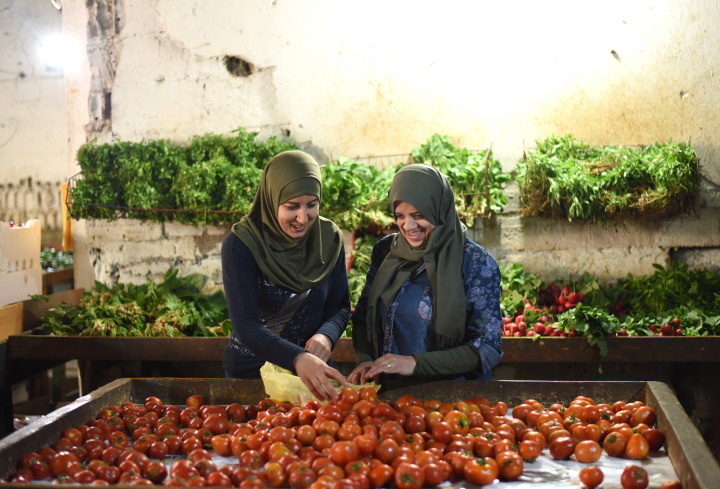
{"x":543,"y":319}
{"x":562,"y":334}
{"x":557,"y":332}
{"x":530,"y":334}
{"x":562,"y":300}
{"x":507,"y":320}
{"x":570,"y":305}
{"x":573,"y":333}
{"x":549,"y":330}
{"x":518,"y":334}
{"x":678,"y":332}
{"x":580,"y":296}
{"x":676,"y":322}
{"x":519,"y":319}
{"x":572,"y":297}
{"x":539,"y":328}
{"x":667,"y":330}
{"x":622,"y":332}
{"x":565,"y":291}
{"x":522,"y":327}
{"x":653,"y":328}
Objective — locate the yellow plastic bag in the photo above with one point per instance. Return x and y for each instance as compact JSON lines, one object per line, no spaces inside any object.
{"x":282,"y":385}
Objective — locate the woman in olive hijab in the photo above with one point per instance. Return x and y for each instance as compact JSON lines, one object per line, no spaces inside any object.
{"x":285,"y":279}
{"x":431,"y":303}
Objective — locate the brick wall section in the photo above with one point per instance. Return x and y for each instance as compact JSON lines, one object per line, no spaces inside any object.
{"x":131,"y":251}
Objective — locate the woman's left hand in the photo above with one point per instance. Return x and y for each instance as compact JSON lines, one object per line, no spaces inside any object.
{"x":320,"y":346}
{"x":392,"y":364}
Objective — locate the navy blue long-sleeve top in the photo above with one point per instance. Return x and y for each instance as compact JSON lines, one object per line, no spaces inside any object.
{"x":253,"y":300}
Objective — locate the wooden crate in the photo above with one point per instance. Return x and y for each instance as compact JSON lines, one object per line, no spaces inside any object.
{"x":690,"y":456}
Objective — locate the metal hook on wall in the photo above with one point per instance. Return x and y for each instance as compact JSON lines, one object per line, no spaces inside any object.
{"x":56,"y":4}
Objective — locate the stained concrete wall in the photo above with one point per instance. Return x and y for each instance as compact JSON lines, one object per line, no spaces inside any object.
{"x":33,"y":127}
{"x":377,"y":78}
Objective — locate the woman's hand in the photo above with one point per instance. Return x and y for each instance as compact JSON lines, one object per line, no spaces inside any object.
{"x":358,"y":376}
{"x":320,"y":346}
{"x":314,"y":373}
{"x":392,"y":364}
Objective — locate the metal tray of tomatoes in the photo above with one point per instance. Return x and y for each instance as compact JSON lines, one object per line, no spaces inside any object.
{"x":690,"y":456}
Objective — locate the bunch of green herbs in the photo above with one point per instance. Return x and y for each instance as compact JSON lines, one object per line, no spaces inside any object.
{"x":174,"y":307}
{"x":50,"y":259}
{"x":477,"y":193}
{"x":355,"y":194}
{"x":568,"y":179}
{"x":211,"y":173}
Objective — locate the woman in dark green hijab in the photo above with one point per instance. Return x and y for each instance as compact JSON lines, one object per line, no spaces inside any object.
{"x":431,"y":303}
{"x":285,"y":279}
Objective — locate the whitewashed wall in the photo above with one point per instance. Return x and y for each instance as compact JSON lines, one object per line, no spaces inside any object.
{"x":33,"y":127}
{"x":373,"y":78}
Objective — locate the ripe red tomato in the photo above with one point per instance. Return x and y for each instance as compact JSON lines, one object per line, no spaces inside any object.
{"x":529,"y":450}
{"x":156,"y":472}
{"x":40,"y":470}
{"x":562,"y":447}
{"x":634,"y":477}
{"x":61,"y":461}
{"x":380,"y":475}
{"x":671,"y":485}
{"x":196,"y":401}
{"x":387,"y":451}
{"x":655,"y":439}
{"x":343,"y":452}
{"x":591,"y":476}
{"x":216,"y":424}
{"x":510,"y":465}
{"x":108,"y":473}
{"x":218,"y":479}
{"x":481,"y":471}
{"x":588,"y":451}
{"x":637,"y":448}
{"x":302,"y":478}
{"x":409,"y":476}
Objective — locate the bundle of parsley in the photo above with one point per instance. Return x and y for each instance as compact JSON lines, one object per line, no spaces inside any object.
{"x":172,"y":308}
{"x":568,"y":179}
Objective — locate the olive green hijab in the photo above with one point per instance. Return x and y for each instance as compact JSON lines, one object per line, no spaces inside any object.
{"x":296,"y":264}
{"x":425,"y":188}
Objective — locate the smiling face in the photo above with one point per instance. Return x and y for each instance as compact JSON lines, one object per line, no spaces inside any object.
{"x":412,"y":224}
{"x":298,"y":214}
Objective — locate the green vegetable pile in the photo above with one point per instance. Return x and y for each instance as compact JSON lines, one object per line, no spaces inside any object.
{"x":634,"y":306}
{"x":172,"y":308}
{"x":52,"y":260}
{"x":565,"y":178}
{"x":212,"y":173}
{"x":355,"y":194}
{"x":477,"y":193}
{"x":214,"y":179}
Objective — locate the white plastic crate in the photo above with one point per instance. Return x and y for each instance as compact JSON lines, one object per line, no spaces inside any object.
{"x":20,"y":271}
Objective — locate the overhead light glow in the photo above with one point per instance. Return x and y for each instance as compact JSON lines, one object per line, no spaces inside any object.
{"x":59,"y":53}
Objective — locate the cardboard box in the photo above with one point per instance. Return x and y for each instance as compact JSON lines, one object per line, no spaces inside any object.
{"x":11,"y":320}
{"x":20,"y":270}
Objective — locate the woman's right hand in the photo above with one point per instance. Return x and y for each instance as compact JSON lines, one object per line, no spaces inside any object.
{"x":357,"y":376}
{"x":315,"y":374}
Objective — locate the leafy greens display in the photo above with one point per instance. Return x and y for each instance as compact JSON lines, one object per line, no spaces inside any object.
{"x":212,"y":173}
{"x":172,"y":308}
{"x":566,"y":178}
{"x":165,"y":181}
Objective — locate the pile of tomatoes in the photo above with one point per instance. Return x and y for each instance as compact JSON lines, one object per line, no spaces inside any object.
{"x":355,"y":442}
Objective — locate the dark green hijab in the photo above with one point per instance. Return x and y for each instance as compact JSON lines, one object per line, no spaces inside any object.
{"x":295,"y":264}
{"x":425,"y":188}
